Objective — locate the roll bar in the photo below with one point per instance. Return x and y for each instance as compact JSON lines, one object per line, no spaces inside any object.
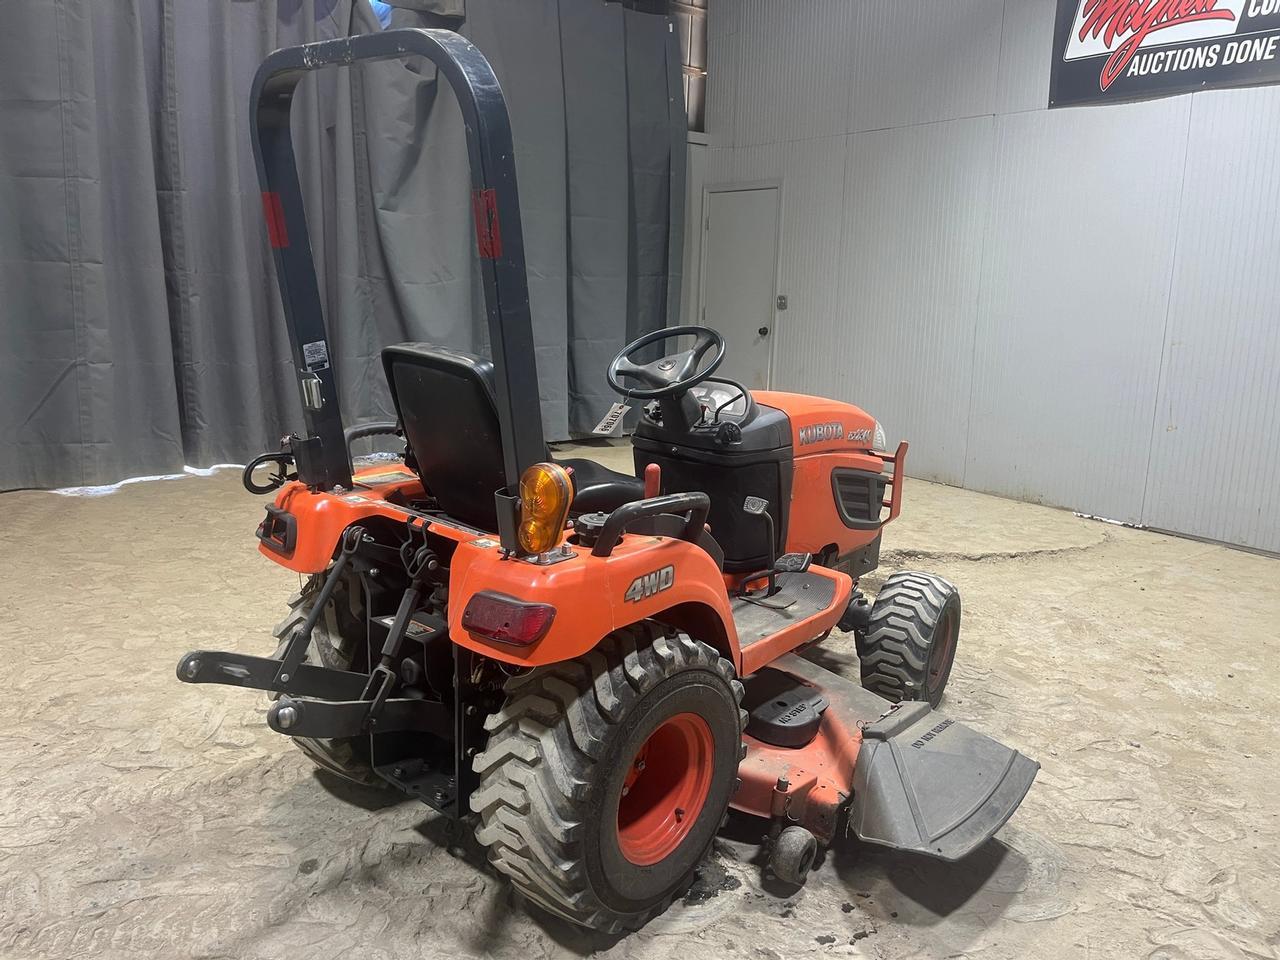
{"x":322,"y":458}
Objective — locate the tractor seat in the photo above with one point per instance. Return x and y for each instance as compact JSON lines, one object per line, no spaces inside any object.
{"x":447,"y":405}
{"x":597,"y":488}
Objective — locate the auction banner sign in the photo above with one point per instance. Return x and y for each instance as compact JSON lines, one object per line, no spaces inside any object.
{"x":1109,"y":51}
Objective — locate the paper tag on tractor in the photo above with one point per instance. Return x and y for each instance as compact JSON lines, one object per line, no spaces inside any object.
{"x":612,"y":420}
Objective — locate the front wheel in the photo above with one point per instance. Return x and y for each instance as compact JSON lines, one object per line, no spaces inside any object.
{"x":605,"y":778}
{"x":909,"y":645}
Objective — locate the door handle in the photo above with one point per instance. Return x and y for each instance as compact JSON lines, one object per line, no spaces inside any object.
{"x":763,"y":331}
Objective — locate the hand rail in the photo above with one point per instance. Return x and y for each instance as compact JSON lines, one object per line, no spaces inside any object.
{"x":695,"y":505}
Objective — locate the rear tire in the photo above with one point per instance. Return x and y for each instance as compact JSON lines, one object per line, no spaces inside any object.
{"x":910,"y":640}
{"x":605,"y":778}
{"x":336,"y":642}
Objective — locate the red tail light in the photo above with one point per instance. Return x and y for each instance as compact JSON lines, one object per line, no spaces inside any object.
{"x":496,"y":616}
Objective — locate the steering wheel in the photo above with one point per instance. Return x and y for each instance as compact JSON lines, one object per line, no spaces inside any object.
{"x":667,"y":376}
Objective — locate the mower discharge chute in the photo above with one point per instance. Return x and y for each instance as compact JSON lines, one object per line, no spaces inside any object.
{"x":595,"y":666}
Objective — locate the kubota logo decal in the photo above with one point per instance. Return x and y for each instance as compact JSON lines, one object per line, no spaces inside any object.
{"x":820,"y":432}
{"x":651,"y":583}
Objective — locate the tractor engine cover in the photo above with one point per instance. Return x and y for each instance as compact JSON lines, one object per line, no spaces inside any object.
{"x":781,"y":710}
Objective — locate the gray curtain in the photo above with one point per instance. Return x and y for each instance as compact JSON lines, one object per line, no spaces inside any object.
{"x":141,"y":322}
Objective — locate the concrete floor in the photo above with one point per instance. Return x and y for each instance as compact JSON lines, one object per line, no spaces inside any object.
{"x":142,"y":818}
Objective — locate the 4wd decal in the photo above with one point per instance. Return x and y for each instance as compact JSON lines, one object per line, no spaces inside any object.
{"x":821,"y":432}
{"x":646,"y":586}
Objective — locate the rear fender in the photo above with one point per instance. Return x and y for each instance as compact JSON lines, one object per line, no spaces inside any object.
{"x":645,"y":577}
{"x":320,"y":519}
{"x":593,"y":596}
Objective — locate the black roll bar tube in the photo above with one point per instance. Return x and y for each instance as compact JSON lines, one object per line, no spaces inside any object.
{"x":322,"y":457}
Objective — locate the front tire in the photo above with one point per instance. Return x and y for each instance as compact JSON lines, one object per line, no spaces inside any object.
{"x":606,"y":778}
{"x":909,"y":645}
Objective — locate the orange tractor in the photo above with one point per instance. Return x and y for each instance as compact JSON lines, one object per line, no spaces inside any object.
{"x":594,"y":667}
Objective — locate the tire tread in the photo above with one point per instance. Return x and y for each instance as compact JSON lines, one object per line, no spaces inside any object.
{"x":894,"y":651}
{"x":536,"y":769}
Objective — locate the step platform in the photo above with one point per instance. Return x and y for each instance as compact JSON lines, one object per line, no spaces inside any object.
{"x":799,"y":597}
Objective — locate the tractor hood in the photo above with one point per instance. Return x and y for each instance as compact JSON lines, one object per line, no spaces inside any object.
{"x":819,"y":425}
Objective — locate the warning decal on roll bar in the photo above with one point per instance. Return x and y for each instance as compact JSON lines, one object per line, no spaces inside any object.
{"x":315,"y":355}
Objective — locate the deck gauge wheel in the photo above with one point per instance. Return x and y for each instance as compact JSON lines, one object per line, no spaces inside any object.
{"x":792,"y":854}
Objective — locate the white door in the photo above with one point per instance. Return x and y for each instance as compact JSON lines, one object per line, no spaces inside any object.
{"x":739,"y":268}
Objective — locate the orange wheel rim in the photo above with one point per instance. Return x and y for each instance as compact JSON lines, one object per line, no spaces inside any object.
{"x":665,"y":789}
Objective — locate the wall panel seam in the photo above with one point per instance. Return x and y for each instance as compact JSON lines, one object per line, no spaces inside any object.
{"x":1168,"y":311}
{"x":984,"y":253}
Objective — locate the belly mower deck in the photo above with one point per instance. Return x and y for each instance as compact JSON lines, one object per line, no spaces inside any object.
{"x":909,"y":777}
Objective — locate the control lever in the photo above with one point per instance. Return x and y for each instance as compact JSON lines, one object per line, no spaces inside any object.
{"x":759,"y":507}
{"x":652,"y":481}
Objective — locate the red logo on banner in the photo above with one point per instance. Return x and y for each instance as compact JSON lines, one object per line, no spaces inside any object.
{"x":484,"y":203}
{"x":1139,"y":19}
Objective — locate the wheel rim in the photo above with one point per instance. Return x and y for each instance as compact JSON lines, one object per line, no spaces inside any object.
{"x":944,"y":645}
{"x":665,"y":789}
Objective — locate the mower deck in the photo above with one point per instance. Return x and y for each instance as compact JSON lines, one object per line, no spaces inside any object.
{"x":918,"y":780}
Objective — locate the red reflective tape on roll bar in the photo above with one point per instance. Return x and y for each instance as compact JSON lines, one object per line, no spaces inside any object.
{"x":273,"y":210}
{"x":484,"y":204}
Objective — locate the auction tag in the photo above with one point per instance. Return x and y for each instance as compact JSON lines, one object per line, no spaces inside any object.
{"x":612,"y":420}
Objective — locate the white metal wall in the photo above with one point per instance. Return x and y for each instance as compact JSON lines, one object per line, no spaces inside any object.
{"x":1079,"y":307}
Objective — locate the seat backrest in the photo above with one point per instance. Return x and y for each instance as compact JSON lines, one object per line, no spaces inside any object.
{"x":447,"y":406}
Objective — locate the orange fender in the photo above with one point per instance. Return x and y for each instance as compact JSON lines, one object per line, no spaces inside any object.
{"x":322,"y":518}
{"x":590,"y":596}
{"x":589,"y":593}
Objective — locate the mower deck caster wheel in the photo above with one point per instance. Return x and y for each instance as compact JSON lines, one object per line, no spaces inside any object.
{"x":793,"y":854}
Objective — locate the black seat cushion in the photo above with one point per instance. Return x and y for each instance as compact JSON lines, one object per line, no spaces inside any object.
{"x":597,"y":488}
{"x":447,"y":404}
